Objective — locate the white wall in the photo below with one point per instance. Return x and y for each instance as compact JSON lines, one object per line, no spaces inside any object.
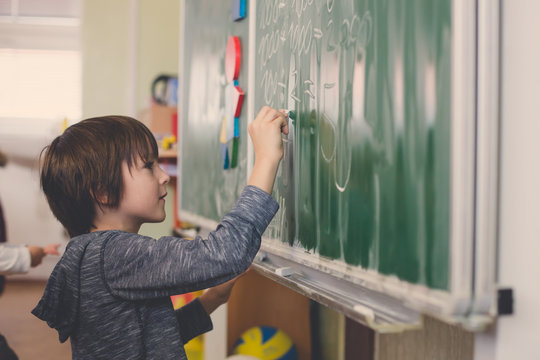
{"x":158,"y":41}
{"x":518,"y":335}
{"x":106,"y":51}
{"x":125,"y":44}
{"x":157,"y":53}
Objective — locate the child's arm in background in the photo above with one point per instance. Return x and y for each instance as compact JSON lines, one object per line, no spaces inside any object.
{"x":17,"y":259}
{"x":37,"y":253}
{"x":265,"y":132}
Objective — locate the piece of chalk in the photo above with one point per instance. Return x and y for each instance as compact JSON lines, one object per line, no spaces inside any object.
{"x":284,"y":271}
{"x":291,"y":114}
{"x":367,"y":312}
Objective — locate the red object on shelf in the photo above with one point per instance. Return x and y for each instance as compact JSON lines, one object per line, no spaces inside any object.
{"x":174,"y":125}
{"x":162,"y":118}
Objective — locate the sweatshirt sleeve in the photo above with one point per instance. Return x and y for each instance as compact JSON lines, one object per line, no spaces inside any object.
{"x":14,"y":259}
{"x":136,"y":267}
{"x":193,"y":320}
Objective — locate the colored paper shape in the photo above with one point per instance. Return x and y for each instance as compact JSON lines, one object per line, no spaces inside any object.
{"x":232,"y":58}
{"x":223,"y":134}
{"x":236,"y":127}
{"x":238,"y":10}
{"x":238,"y":100}
{"x":234,"y":98}
{"x":229,"y":111}
{"x":225,"y":156}
{"x":234,"y":153}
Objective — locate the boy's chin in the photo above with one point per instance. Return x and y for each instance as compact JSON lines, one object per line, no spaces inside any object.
{"x":156,"y":219}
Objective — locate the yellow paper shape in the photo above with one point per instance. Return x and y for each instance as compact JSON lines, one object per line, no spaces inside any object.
{"x":223,"y":135}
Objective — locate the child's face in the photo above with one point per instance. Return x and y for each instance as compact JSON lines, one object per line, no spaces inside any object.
{"x":144,"y":193}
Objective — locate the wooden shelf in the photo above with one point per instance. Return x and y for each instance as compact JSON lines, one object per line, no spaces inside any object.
{"x":257,"y":300}
{"x":168,"y":154}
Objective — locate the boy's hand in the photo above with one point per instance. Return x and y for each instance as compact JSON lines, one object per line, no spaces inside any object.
{"x":265,"y":132}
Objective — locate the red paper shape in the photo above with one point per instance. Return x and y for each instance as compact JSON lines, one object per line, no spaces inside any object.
{"x":238,"y":100}
{"x":232,"y":58}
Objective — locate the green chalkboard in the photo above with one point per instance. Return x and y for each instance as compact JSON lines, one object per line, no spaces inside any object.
{"x":366,"y":174}
{"x":206,"y":188}
{"x":387,"y":189}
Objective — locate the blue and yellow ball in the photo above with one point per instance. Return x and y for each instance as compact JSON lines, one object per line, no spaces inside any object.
{"x":266,"y":343}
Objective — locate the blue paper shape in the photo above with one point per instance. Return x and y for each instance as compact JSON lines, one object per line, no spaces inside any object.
{"x":238,"y":9}
{"x":236,"y":127}
{"x":225,"y":156}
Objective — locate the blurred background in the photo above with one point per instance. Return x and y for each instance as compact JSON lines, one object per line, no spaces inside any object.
{"x":62,"y":61}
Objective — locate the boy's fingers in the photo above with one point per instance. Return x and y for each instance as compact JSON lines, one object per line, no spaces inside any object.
{"x":285,"y":129}
{"x":263,"y":113}
{"x":268,"y":114}
{"x":283,"y":121}
{"x":285,"y":126}
{"x":273,"y":114}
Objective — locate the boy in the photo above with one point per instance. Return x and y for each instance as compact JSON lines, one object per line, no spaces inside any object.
{"x":110,"y":291}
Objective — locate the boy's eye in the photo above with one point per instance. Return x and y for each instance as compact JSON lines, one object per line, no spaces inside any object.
{"x":149,"y":165}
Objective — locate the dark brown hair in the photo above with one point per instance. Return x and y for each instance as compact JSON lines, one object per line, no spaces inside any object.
{"x":84,"y":164}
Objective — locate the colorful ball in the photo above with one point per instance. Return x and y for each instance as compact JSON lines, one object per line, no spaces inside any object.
{"x":266,"y":343}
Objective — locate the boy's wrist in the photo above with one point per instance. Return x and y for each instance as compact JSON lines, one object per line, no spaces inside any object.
{"x":264,"y":174}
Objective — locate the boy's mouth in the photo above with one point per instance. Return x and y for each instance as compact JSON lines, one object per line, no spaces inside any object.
{"x":162,"y":197}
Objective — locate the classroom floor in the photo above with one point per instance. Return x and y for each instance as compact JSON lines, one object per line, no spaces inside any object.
{"x":28,"y":336}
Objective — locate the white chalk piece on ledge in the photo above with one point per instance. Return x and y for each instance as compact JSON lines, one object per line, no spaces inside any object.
{"x":284,"y":271}
{"x":365,"y":311}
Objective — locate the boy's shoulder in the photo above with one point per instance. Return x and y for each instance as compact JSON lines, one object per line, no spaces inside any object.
{"x":85,"y":239}
{"x":80,"y":243}
{"x":98,"y":238}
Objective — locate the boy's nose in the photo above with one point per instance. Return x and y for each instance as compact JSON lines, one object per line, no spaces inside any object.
{"x":165,"y":178}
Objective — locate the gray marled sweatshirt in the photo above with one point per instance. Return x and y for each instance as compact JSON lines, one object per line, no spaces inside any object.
{"x":110,"y":290}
